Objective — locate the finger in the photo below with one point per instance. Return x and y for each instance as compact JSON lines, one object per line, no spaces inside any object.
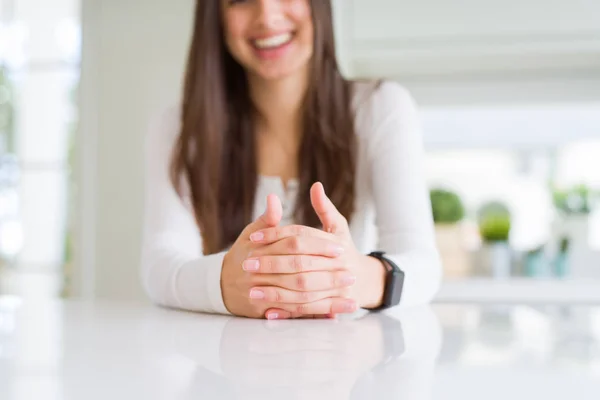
{"x":271,"y":235}
{"x":279,"y":314}
{"x":333,"y":221}
{"x":291,"y":264}
{"x":332,"y":305}
{"x":297,"y":245}
{"x":277,"y":295}
{"x":270,"y":218}
{"x":309,"y":281}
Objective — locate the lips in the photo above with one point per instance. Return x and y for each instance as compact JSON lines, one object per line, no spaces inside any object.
{"x":273,"y":42}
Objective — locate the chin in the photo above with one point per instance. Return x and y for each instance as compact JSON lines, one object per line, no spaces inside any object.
{"x":280,"y":69}
{"x":275,"y":73}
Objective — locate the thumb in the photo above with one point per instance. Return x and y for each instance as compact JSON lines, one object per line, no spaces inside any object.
{"x":272,"y":215}
{"x":333,"y":221}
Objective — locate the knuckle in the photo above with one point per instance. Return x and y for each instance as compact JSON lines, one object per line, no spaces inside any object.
{"x":294,"y":244}
{"x":275,"y":296}
{"x":277,"y":234}
{"x":301,"y":282}
{"x":297,"y":263}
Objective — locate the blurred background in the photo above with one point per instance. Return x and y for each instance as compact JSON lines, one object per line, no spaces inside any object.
{"x":509,"y":95}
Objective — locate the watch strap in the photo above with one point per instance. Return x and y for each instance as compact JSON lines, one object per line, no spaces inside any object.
{"x":394,"y":282}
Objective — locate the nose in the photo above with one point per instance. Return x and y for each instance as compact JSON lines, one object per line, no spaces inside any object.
{"x":270,"y":13}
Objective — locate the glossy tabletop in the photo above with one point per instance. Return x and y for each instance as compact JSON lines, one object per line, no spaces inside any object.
{"x":97,"y":351}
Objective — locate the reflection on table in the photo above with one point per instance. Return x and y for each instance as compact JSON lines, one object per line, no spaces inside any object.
{"x":103,"y":350}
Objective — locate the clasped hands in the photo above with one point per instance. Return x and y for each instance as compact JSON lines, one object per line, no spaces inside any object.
{"x":297,"y":271}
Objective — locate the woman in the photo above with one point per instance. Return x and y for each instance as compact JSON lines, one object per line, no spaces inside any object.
{"x":266,"y":115}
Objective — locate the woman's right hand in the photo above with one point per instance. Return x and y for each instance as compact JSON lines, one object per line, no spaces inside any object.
{"x":236,"y":283}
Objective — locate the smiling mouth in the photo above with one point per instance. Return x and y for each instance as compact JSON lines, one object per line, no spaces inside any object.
{"x":273,"y":42}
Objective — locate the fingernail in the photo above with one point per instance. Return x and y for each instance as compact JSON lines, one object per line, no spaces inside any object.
{"x":257,"y":294}
{"x":251,"y":265}
{"x":337,"y":250}
{"x":257,"y":236}
{"x":348,"y":281}
{"x":349,"y":306}
{"x":272,"y":316}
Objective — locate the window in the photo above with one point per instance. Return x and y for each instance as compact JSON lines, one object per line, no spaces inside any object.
{"x":39,"y":56}
{"x":519,"y":155}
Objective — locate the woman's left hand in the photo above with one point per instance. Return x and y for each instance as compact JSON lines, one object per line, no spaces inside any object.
{"x":281,"y":285}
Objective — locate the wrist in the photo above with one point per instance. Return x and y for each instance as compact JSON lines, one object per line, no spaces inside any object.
{"x":224,"y":286}
{"x":374,"y":283}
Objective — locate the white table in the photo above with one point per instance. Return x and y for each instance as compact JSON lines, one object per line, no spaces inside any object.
{"x":97,"y":351}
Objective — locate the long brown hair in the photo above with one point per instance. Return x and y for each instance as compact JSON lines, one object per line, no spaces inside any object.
{"x":215,"y":152}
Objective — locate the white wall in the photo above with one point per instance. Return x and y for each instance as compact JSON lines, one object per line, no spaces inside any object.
{"x":473,"y":52}
{"x":133,"y":57}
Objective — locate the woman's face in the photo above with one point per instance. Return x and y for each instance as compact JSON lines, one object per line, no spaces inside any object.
{"x":271,"y":39}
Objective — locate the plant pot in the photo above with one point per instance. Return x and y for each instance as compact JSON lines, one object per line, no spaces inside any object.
{"x":494,"y":259}
{"x":561,"y":265}
{"x":536,"y":265}
{"x":453,"y":253}
{"x":583,"y":261}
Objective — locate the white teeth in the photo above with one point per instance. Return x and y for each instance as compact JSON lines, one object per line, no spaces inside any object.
{"x":273,"y":41}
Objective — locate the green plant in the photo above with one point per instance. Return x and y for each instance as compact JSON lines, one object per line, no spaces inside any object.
{"x":574,"y":200}
{"x":6,"y":112}
{"x":494,"y":222}
{"x":447,"y":207}
{"x":538,"y":251}
{"x":565,"y":244}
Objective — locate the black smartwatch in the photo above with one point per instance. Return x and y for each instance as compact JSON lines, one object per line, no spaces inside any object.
{"x":394,"y":281}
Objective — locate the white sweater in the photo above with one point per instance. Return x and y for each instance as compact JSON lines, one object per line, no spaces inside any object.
{"x":393,"y":210}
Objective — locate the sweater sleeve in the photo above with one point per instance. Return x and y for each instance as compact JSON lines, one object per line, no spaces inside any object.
{"x":404,"y":218}
{"x":174,"y":271}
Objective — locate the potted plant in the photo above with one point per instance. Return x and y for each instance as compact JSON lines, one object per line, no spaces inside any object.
{"x":494,"y":222}
{"x":574,"y":201}
{"x":448,"y":211}
{"x":574,"y":205}
{"x":536,"y":264}
{"x":561,"y":263}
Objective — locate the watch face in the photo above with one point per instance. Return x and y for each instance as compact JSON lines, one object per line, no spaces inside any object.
{"x":397,"y":278}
